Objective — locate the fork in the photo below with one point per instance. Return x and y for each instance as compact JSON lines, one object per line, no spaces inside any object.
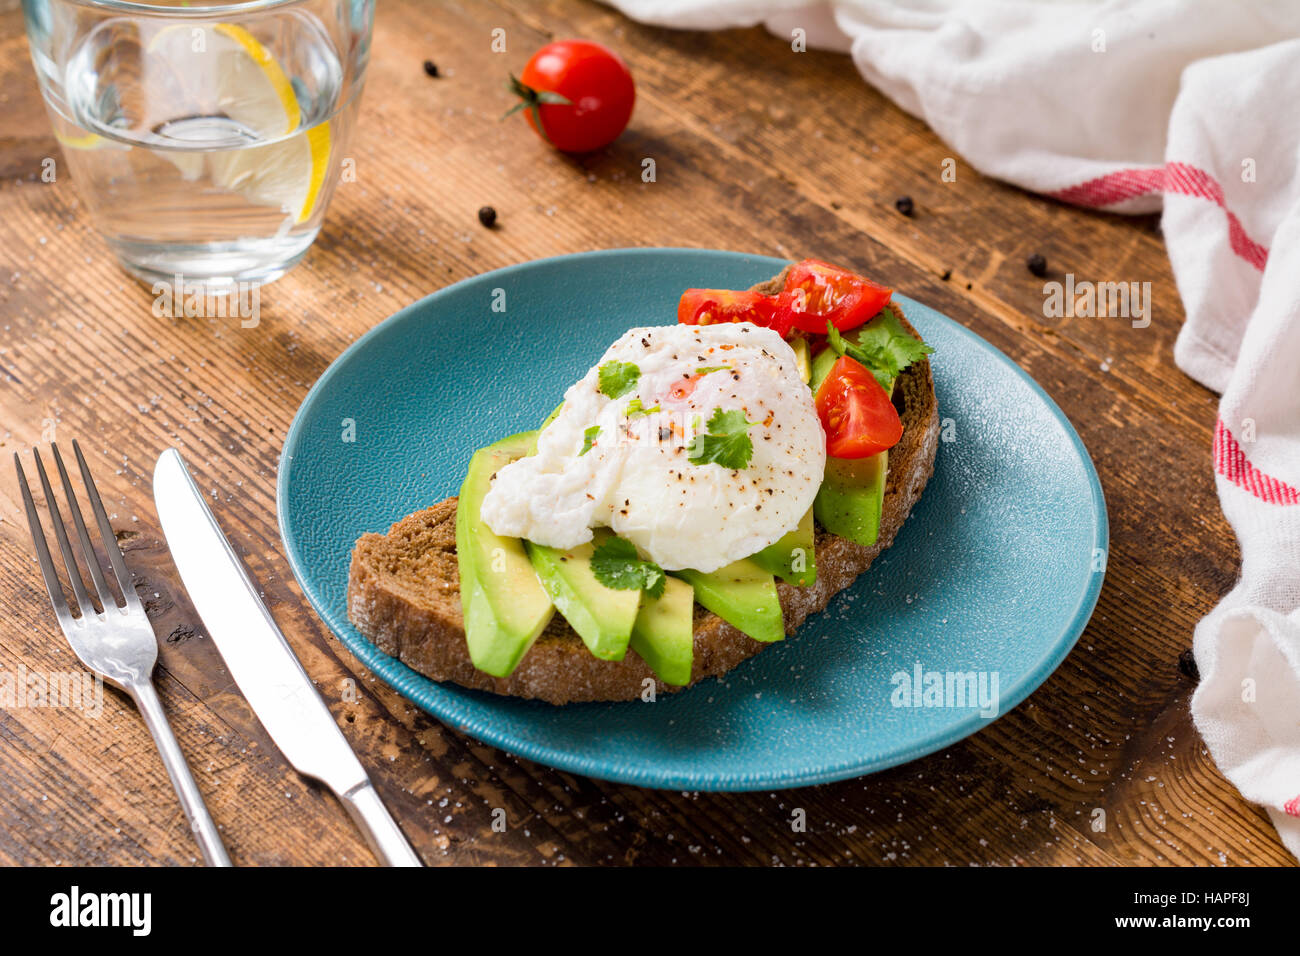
{"x":117,"y":643}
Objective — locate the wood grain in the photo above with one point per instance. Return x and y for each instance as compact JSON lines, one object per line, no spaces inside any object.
{"x":756,"y":148}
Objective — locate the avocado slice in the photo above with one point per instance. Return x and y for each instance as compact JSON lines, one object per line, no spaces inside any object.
{"x":821,"y":367}
{"x":551,"y":417}
{"x":602,"y":616}
{"x":851,"y":498}
{"x":801,"y":357}
{"x":792,"y":558}
{"x":664,"y":633}
{"x":743,"y":595}
{"x":505,"y":606}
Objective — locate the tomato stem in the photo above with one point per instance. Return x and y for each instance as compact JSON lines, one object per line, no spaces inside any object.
{"x":532,"y":100}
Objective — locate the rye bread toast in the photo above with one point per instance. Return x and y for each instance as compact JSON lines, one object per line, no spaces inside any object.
{"x":404,"y":587}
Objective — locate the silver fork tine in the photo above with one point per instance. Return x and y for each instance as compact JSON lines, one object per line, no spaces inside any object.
{"x":51,"y":576}
{"x":61,"y":535}
{"x":106,"y":598}
{"x":106,"y":530}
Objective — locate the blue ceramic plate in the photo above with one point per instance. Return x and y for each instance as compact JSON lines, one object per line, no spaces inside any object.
{"x":992,"y":575}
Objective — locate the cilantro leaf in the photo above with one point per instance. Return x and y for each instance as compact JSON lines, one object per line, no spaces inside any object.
{"x":883,"y":346}
{"x":655,"y":580}
{"x":886,"y":334}
{"x":635,"y":408}
{"x":726,"y":443}
{"x":618,"y":378}
{"x":616,"y":565}
{"x":878,"y":365}
{"x":589,"y":439}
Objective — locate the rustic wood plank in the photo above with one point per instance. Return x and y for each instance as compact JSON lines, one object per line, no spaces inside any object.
{"x":737,"y":167}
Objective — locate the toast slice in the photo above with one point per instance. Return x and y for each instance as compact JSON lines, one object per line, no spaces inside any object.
{"x":404,"y":586}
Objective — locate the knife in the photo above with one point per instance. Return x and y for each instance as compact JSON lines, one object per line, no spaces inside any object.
{"x":261,"y":661}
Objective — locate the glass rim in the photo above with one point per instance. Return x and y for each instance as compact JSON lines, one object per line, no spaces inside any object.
{"x":202,"y":11}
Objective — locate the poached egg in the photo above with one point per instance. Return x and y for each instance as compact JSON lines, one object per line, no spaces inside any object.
{"x":624,"y":461}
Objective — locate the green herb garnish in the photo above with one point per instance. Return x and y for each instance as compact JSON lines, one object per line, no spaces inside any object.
{"x":707,"y":369}
{"x":883,"y":346}
{"x":635,"y":408}
{"x":727,"y":442}
{"x":618,"y":378}
{"x":532,"y":100}
{"x":589,"y":439}
{"x":617,"y":565}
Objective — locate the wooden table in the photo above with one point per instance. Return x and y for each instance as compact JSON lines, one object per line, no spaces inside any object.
{"x":757,"y":148}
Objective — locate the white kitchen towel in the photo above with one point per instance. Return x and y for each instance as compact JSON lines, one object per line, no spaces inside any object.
{"x":1189,"y":106}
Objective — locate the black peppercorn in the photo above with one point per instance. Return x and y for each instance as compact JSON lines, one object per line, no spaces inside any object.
{"x":1187,"y":665}
{"x":1037,"y":265}
{"x":430,"y":68}
{"x":904,"y":205}
{"x":488,"y":216}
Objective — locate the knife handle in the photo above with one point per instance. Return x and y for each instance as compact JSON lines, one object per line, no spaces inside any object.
{"x":378,"y":826}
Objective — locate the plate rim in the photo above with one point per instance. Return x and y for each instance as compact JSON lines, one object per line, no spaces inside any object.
{"x":395,"y":673}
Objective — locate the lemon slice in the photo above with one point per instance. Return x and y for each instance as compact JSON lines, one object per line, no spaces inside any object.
{"x":85,"y":141}
{"x":253,"y":90}
{"x":258,"y":95}
{"x":250,"y":87}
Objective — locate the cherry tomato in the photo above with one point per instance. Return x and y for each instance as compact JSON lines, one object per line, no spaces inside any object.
{"x":710,"y":306}
{"x":595,"y":82}
{"x":816,"y":292}
{"x":856,"y":412}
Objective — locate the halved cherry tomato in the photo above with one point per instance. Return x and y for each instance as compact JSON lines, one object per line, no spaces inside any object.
{"x":816,"y":292}
{"x":711,"y":306}
{"x":856,"y":412}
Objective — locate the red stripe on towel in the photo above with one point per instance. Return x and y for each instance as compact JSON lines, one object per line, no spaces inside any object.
{"x":1177,"y":178}
{"x":1230,"y":461}
{"x":1114,"y":187}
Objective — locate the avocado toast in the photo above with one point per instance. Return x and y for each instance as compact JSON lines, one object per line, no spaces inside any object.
{"x":614,"y":642}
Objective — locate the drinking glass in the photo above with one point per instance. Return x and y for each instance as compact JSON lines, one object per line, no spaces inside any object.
{"x":205,"y":140}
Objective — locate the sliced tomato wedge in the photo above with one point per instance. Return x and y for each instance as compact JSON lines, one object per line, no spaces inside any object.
{"x":817,"y":292}
{"x":711,"y":306}
{"x":856,"y":412}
